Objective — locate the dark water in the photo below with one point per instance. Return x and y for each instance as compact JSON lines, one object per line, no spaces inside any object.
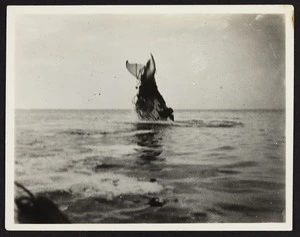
{"x":106,"y":167}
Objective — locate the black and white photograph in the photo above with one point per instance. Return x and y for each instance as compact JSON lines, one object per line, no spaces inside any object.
{"x":149,"y":117}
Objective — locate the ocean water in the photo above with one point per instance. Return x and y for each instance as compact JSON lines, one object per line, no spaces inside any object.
{"x":105,"y":166}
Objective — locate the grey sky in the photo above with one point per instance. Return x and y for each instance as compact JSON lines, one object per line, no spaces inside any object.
{"x":203,"y":61}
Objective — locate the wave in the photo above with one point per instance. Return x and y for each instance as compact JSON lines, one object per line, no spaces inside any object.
{"x":146,"y":127}
{"x":225,"y":148}
{"x":210,"y":124}
{"x":81,"y":132}
{"x":192,"y":123}
{"x":99,"y":184}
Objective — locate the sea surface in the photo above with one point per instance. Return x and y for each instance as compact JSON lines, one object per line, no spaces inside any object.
{"x":105,"y":166}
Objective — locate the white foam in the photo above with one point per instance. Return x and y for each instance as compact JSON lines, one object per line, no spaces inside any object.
{"x":107,"y":185}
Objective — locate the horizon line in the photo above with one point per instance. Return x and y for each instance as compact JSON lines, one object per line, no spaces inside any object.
{"x":133,"y":109}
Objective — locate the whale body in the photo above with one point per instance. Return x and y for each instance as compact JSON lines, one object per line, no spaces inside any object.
{"x":149,"y":104}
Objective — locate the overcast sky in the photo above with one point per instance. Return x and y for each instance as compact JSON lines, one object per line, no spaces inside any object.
{"x":203,"y":61}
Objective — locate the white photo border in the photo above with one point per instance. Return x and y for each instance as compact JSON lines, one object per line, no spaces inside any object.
{"x":13,"y":11}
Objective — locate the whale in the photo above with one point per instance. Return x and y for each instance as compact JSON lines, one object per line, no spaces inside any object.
{"x":149,"y":103}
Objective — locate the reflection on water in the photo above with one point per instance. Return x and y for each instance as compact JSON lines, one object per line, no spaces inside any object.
{"x":151,"y":143}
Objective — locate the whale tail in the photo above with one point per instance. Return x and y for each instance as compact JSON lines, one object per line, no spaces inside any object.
{"x":138,"y":70}
{"x":135,"y":69}
{"x":150,"y":68}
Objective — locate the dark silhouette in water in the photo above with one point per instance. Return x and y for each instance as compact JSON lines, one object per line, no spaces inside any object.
{"x":150,"y":142}
{"x":39,"y":209}
{"x":150,"y":105}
